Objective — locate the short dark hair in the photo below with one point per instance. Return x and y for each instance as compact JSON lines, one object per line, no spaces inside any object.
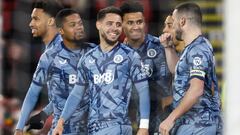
{"x":62,"y":14}
{"x":192,"y":9}
{"x":111,"y":9}
{"x":131,"y":7}
{"x":49,"y":6}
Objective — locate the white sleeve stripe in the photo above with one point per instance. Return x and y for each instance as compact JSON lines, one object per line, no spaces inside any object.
{"x":197,"y":73}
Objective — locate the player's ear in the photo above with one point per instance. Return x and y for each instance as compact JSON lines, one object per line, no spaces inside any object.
{"x":51,"y":21}
{"x":182,"y":21}
{"x":60,"y":30}
{"x":98,"y":25}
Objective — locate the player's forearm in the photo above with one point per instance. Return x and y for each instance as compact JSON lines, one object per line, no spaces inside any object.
{"x":28,"y":104}
{"x":72,"y":102}
{"x":171,"y":58}
{"x":189,"y":100}
{"x":144,"y":105}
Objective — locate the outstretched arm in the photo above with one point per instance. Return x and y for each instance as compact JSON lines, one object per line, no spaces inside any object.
{"x":144,"y":106}
{"x":39,"y":79}
{"x":139,"y":79}
{"x":28,"y":104}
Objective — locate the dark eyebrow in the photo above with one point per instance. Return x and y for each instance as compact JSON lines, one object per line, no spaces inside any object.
{"x":34,"y":17}
{"x":135,"y":20}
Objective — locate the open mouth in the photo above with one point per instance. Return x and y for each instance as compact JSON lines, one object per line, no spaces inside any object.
{"x":34,"y":30}
{"x":113,"y":35}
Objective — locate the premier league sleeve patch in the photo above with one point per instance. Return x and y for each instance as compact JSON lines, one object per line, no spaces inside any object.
{"x":197,"y":61}
{"x":198,"y":64}
{"x":146,"y":68}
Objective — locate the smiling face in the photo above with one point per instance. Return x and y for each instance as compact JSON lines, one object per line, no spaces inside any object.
{"x":39,"y":22}
{"x":110,"y":28}
{"x":72,"y":29}
{"x":134,"y":25}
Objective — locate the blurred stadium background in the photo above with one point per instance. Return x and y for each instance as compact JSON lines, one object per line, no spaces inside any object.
{"x":20,"y":52}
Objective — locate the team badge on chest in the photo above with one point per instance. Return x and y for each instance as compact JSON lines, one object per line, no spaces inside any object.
{"x":151,"y":53}
{"x":118,"y":59}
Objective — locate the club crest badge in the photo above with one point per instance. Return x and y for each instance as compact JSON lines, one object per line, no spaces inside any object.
{"x":151,"y":53}
{"x":118,"y":59}
{"x":91,"y":61}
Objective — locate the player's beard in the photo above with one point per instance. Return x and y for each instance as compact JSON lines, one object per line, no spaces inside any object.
{"x":178,"y":33}
{"x":79,"y":40}
{"x":110,"y":42}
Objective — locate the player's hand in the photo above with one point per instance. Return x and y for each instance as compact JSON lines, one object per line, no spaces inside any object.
{"x":166,"y":126}
{"x":142,"y":131}
{"x":18,"y":132}
{"x":37,"y":121}
{"x":166,"y":40}
{"x":59,"y":128}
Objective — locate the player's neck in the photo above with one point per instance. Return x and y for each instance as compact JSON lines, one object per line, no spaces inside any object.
{"x":180,"y":46}
{"x":136,"y":43}
{"x":70,"y":45}
{"x":48,"y":37}
{"x":105,"y":47}
{"x":188,"y":38}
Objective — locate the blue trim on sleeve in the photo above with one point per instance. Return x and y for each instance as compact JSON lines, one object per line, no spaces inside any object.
{"x":72,"y":102}
{"x":144,"y":100}
{"x":28,"y":104}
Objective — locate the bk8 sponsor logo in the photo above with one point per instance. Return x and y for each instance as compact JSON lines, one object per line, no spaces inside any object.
{"x":72,"y":79}
{"x":106,"y":77}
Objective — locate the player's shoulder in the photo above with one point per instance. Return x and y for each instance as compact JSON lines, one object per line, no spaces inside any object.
{"x":201,"y":44}
{"x":129,"y":51}
{"x":126,"y":48}
{"x":91,"y":45}
{"x":50,"y":53}
{"x":153,"y":42}
{"x":55,"y":43}
{"x":88,"y":45}
{"x":92,"y":48}
{"x":152,"y":39}
{"x":58,"y":38}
